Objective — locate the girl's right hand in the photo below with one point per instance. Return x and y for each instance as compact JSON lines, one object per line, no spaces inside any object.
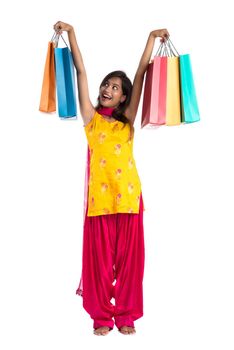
{"x":59,"y":27}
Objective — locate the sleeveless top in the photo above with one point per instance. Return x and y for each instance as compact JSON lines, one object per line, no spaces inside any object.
{"x":113,"y":185}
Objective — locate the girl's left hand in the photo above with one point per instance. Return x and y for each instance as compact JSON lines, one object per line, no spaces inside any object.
{"x":163,"y":33}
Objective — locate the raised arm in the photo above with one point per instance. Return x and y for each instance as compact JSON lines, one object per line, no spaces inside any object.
{"x":86,"y":108}
{"x":131,"y":110}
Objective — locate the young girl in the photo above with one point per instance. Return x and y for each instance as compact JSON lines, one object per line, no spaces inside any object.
{"x":113,"y":237}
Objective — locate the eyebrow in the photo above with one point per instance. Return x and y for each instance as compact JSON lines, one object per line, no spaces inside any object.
{"x":113,"y":83}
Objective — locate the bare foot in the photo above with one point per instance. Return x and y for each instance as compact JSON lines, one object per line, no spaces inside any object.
{"x":102,"y":330}
{"x":127,"y":330}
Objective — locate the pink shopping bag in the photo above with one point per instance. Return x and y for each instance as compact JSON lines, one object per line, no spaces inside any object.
{"x":155,"y":89}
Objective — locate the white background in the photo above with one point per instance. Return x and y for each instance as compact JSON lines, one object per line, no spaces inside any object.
{"x":186,"y":173}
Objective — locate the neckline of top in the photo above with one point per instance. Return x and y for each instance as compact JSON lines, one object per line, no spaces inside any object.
{"x":116,"y":121}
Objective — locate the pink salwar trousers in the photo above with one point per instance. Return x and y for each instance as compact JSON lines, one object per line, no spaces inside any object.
{"x":112,"y":268}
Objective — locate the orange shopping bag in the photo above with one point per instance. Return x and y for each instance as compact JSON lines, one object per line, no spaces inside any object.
{"x":48,"y":91}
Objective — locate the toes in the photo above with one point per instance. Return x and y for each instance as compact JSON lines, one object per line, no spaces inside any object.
{"x":127,"y":330}
{"x":102,"y":331}
{"x":131,"y":331}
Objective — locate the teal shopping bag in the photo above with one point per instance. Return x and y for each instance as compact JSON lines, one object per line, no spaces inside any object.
{"x":65,"y":82}
{"x":190,"y":110}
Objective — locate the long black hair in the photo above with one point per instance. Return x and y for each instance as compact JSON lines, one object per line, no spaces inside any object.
{"x":118,"y":113}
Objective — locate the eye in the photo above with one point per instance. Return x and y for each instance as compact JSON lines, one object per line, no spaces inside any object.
{"x":106,"y":84}
{"x":115,"y":87}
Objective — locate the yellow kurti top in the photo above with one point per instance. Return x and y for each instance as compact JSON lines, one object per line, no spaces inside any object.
{"x":114,"y":184}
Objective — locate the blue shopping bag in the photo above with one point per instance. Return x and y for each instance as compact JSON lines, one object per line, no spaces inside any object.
{"x":190,"y":111}
{"x":65,"y":82}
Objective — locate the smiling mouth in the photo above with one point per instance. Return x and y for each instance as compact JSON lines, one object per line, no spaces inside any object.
{"x":106,"y":97}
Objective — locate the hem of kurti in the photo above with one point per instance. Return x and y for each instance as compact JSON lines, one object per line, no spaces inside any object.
{"x":120,"y":211}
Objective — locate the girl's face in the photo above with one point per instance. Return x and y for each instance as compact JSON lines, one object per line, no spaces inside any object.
{"x":111,"y":93}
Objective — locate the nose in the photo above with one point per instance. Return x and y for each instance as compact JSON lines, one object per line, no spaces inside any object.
{"x":107,"y":89}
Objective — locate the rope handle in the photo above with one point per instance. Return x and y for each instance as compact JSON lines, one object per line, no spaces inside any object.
{"x":167,"y":49}
{"x":172,"y":48}
{"x":55,"y":39}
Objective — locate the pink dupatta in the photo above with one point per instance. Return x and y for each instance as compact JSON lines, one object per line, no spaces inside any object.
{"x":105,"y":111}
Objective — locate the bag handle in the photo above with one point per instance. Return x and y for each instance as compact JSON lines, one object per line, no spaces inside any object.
{"x":159,"y":51}
{"x":167,"y":48}
{"x":55,"y":39}
{"x":172,"y":47}
{"x":162,"y":50}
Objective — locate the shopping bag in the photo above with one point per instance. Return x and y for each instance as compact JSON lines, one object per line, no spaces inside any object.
{"x":190,"y":110}
{"x":189,"y":105}
{"x":48,"y":91}
{"x":65,"y":82}
{"x":173,"y":110}
{"x":169,"y":92}
{"x":161,"y":101}
{"x":154,"y":99}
